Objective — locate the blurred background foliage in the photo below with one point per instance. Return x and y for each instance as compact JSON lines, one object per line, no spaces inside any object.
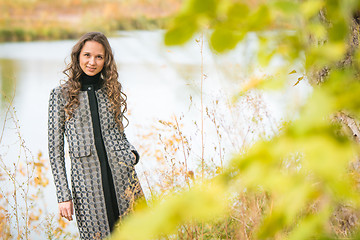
{"x":26,"y":20}
{"x":302,"y":183}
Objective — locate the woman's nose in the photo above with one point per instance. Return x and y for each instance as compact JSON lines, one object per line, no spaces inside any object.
{"x":92,"y":61}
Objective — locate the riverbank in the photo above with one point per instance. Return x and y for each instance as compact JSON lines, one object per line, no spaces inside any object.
{"x":68,"y":19}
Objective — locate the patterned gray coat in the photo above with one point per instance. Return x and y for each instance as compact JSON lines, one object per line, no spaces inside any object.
{"x":87,"y":190}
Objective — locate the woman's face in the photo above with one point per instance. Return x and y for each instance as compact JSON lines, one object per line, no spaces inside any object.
{"x":92,"y":58}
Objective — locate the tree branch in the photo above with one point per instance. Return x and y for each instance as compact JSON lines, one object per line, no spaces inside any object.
{"x":351,"y":124}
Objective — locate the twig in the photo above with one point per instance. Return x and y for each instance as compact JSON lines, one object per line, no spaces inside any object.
{"x":183,"y":145}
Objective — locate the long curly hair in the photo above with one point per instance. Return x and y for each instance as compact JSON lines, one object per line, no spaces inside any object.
{"x":109,"y":75}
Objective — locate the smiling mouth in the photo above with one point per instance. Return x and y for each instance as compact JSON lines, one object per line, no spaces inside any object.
{"x":91,"y":69}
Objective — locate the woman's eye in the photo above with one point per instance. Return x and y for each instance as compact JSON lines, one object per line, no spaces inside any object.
{"x":86,"y":54}
{"x":100,"y":57}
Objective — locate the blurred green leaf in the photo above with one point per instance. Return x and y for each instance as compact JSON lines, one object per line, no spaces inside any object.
{"x":344,"y":88}
{"x":182,"y":31}
{"x":310,"y":8}
{"x":288,"y":7}
{"x":311,"y":226}
{"x":317,"y":30}
{"x":166,"y":214}
{"x":238,"y":11}
{"x":207,"y":7}
{"x":325,"y":55}
{"x":223,"y":39}
{"x":282,"y":215}
{"x":227,"y":34}
{"x":260,"y":19}
{"x":338,"y":31}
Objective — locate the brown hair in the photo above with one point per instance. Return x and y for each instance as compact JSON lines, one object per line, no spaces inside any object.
{"x":109,"y":74}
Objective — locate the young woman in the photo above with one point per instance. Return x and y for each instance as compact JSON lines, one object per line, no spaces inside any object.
{"x":89,"y":110}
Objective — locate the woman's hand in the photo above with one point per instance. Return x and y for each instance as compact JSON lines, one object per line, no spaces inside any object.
{"x":66,"y":209}
{"x":134,"y":155}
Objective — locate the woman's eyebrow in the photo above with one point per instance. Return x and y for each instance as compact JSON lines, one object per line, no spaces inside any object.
{"x":100,"y":54}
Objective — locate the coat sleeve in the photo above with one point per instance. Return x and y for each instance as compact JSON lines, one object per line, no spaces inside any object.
{"x":132,"y":148}
{"x":56,"y":129}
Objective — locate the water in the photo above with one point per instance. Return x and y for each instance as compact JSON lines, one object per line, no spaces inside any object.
{"x":158,"y":81}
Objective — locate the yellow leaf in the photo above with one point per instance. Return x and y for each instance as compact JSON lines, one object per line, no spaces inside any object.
{"x":299,"y":79}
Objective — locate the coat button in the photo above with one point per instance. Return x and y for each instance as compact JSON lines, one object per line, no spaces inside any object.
{"x":89,"y":88}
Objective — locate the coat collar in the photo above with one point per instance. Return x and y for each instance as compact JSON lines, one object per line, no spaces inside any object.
{"x":90,"y":81}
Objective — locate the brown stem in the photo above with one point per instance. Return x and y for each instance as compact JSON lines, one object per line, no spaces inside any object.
{"x":202,"y":105}
{"x":184,"y":150}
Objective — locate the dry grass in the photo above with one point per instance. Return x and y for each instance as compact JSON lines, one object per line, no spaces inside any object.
{"x":23,"y":212}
